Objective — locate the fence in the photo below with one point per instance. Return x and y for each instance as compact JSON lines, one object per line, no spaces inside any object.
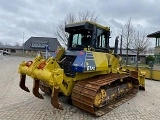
{"x":1,"y":54}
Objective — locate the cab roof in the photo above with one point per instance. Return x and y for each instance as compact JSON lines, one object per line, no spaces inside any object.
{"x":86,"y":25}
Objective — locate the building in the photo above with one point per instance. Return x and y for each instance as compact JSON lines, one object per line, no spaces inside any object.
{"x":132,"y":56}
{"x":157,"y":45}
{"x":32,"y":46}
{"x":11,"y":49}
{"x":36,"y":44}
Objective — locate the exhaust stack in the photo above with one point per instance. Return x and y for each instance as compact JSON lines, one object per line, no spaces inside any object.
{"x":116,"y":45}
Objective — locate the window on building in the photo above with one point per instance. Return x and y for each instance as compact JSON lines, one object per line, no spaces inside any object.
{"x":132,"y":58}
{"x":13,"y":50}
{"x":38,"y":45}
{"x":124,"y":58}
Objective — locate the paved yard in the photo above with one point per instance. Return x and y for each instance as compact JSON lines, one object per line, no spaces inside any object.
{"x":17,"y":104}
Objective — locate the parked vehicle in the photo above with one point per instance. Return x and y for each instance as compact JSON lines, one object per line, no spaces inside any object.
{"x":6,"y":53}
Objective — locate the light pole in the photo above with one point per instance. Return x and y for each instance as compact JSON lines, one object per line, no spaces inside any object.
{"x":23,"y":43}
{"x":137,"y":55}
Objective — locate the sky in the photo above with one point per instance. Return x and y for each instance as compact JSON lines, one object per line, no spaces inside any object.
{"x":21,"y":19}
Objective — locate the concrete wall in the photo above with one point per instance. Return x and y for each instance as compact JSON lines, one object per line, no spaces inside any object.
{"x":143,"y":60}
{"x":157,"y":50}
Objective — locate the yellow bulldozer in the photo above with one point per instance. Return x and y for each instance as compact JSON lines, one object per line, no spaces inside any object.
{"x":88,"y":72}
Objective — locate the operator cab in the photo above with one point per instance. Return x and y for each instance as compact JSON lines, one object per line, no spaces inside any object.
{"x":88,"y":35}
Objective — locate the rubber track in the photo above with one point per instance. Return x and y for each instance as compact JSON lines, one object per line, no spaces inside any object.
{"x":84,"y":93}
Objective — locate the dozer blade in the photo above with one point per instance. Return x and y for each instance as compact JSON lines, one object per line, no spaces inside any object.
{"x":36,"y":89}
{"x":22,"y":83}
{"x":54,"y":99}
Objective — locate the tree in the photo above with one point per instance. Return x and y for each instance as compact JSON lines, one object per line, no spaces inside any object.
{"x":71,"y":18}
{"x":150,"y":58}
{"x":1,"y":43}
{"x":134,"y":40}
{"x":140,"y":44}
{"x":8,"y":44}
{"x":150,"y":50}
{"x":127,"y":36}
{"x":17,"y":44}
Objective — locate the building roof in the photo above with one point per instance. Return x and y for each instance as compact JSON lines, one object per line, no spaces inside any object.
{"x":131,"y":52}
{"x":154,"y":35}
{"x":10,"y":47}
{"x":52,"y":42}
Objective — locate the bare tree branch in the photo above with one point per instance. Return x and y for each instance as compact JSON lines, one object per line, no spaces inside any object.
{"x":140,"y":44}
{"x":127,"y":36}
{"x":1,"y":43}
{"x":59,"y":31}
{"x":17,"y":44}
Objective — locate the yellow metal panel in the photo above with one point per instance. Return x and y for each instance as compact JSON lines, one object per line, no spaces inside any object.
{"x":148,"y":75}
{"x":155,"y":73}
{"x":141,"y":74}
{"x":101,"y":61}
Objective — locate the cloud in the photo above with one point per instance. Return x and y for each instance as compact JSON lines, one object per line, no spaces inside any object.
{"x":39,"y":17}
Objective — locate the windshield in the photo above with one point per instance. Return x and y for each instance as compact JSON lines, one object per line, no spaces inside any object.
{"x":77,"y":40}
{"x":81,"y":40}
